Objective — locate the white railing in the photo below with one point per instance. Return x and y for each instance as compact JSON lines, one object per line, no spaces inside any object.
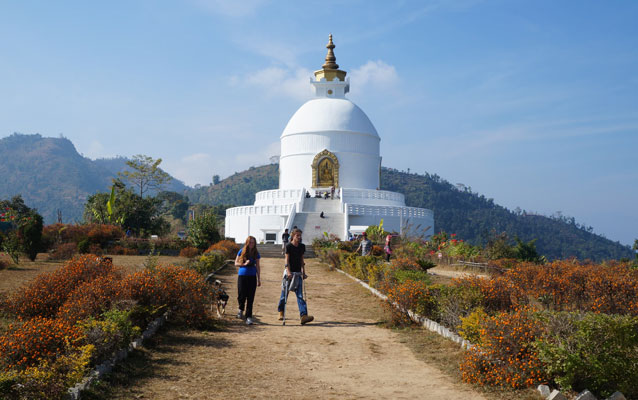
{"x":277,"y":209}
{"x":351,"y":194}
{"x":293,"y":211}
{"x":291,"y":218}
{"x":276,"y":196}
{"x":302,"y":198}
{"x":390,"y":211}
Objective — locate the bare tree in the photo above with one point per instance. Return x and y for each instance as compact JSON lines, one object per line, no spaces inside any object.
{"x":146,"y":174}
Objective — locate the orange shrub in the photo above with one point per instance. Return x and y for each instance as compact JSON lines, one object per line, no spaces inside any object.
{"x":406,"y":263}
{"x":92,"y":298}
{"x":123,"y":251}
{"x":183,"y":290}
{"x":411,"y":295}
{"x":35,"y":340}
{"x":47,"y":292}
{"x":189,"y":252}
{"x":506,"y":356}
{"x":497,"y":294}
{"x":228,"y":247}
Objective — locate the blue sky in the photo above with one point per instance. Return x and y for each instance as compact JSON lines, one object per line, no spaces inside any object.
{"x":532,"y":103}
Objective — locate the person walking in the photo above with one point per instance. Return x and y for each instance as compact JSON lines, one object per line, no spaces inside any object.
{"x":285,"y":238}
{"x":248,"y":278}
{"x":388,"y":247}
{"x":295,"y":273}
{"x":365,"y":245}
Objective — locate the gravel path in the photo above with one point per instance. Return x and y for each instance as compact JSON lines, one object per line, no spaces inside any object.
{"x":343,"y":354}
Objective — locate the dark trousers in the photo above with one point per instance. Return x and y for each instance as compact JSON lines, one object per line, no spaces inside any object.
{"x":246,"y":287}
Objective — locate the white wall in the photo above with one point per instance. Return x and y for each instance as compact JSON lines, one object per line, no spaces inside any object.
{"x":239,"y":227}
{"x":358,"y":156}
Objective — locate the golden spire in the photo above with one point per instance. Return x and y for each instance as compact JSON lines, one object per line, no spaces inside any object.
{"x":330,"y":57}
{"x":330,"y":69}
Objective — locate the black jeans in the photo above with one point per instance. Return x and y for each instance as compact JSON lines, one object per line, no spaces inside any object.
{"x":246,"y":287}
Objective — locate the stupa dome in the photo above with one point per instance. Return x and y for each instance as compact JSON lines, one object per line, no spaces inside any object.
{"x":326,"y":114}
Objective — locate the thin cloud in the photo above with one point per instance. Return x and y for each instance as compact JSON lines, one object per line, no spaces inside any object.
{"x":295,"y":82}
{"x":376,"y":73}
{"x":278,"y":81}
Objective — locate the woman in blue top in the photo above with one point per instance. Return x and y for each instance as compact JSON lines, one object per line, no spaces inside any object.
{"x":248,"y":278}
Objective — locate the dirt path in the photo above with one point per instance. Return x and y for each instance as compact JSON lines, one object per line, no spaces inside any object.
{"x":342,"y":355}
{"x":454,"y":273}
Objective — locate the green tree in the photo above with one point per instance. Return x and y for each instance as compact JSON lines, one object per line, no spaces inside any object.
{"x":20,"y":229}
{"x":635,"y":248}
{"x":498,"y":246}
{"x":527,"y":251}
{"x":204,"y":230}
{"x":146,"y":174}
{"x":141,"y":214}
{"x":173,"y":204}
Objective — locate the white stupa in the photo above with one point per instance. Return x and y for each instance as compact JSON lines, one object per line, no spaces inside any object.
{"x":328,"y":143}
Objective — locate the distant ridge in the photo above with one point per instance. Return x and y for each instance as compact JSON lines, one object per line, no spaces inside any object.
{"x":470,"y":215}
{"x":51,"y":175}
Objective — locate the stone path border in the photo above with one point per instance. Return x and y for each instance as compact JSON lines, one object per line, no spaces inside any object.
{"x":419,"y":319}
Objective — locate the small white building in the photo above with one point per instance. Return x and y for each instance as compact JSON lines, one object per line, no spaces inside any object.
{"x":328,"y":145}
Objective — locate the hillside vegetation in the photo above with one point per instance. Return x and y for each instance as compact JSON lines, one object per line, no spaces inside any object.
{"x":51,"y":175}
{"x":471,"y":216}
{"x":238,"y":189}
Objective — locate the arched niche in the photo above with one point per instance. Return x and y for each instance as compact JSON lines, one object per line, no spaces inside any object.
{"x":325,"y":170}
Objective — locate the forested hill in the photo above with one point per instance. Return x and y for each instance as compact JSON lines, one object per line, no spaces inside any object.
{"x":238,"y":189}
{"x":475,"y":218}
{"x":51,"y":175}
{"x":470,"y":215}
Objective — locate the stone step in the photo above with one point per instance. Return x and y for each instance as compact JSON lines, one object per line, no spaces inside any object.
{"x":313,"y":226}
{"x":318,"y":205}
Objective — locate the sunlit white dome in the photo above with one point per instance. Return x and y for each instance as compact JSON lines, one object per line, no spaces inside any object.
{"x":326,"y":114}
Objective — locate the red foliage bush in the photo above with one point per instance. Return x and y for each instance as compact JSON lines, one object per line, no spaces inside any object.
{"x":228,"y":247}
{"x":411,"y":295}
{"x":568,"y":285}
{"x":59,"y":234}
{"x":183,"y":290}
{"x":47,"y":292}
{"x":497,"y":294}
{"x":189,"y":252}
{"x":39,"y":339}
{"x":64,"y":251}
{"x":92,"y":298}
{"x":123,"y":251}
{"x":377,"y":251}
{"x":506,"y":356}
{"x":101,"y":235}
{"x":406,"y":263}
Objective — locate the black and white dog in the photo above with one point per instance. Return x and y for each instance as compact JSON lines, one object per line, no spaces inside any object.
{"x":220,"y":297}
